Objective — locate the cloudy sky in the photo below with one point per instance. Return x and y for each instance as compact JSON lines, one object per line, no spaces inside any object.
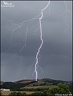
{"x":20,"y":40}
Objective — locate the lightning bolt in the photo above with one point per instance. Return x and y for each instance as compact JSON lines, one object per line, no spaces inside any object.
{"x":38,"y":17}
{"x":31,"y":21}
{"x":41,"y":39}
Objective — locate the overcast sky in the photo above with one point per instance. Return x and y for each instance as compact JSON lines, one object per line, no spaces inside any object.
{"x":55,"y":57}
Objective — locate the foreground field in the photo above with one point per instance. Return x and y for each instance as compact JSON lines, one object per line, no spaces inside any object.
{"x":6,"y":93}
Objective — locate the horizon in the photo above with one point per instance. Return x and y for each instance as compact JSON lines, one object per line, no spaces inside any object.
{"x":35,"y":80}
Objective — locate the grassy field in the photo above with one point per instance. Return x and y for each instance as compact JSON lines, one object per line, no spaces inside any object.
{"x":35,"y":87}
{"x":6,"y":93}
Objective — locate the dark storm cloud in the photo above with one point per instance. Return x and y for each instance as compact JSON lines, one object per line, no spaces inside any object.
{"x":56,"y":53}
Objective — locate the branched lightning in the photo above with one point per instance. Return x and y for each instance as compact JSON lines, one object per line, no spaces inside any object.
{"x":18,"y":27}
{"x":29,"y":23}
{"x":40,"y":38}
{"x":39,"y":18}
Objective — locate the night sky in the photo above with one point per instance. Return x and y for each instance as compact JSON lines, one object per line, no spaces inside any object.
{"x":55,"y":57}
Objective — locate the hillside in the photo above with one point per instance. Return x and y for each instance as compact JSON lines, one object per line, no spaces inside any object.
{"x":28,"y":84}
{"x":23,"y":81}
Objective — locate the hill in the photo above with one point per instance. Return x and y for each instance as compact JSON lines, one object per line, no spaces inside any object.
{"x":28,"y":84}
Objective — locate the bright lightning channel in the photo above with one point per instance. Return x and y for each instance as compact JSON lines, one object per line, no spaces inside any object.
{"x":38,"y":17}
{"x":40,"y":38}
{"x":31,"y":21}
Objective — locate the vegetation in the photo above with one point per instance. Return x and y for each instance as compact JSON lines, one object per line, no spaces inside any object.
{"x":63,"y":88}
{"x":23,"y":94}
{"x":17,"y":94}
{"x":71,"y":88}
{"x":60,"y":89}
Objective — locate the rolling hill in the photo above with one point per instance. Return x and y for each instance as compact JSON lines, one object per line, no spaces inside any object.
{"x":28,"y":84}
